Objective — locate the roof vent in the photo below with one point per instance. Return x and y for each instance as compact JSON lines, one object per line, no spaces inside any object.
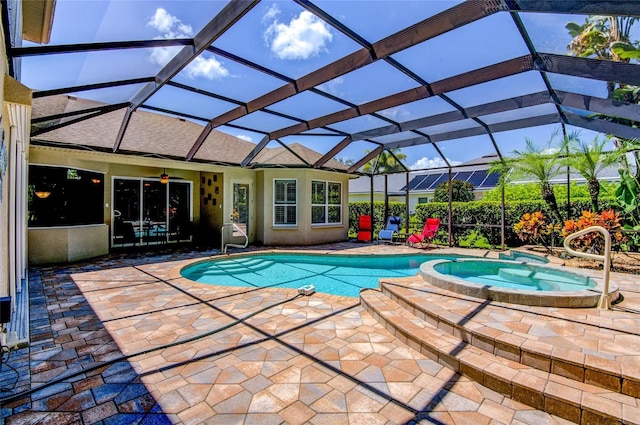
{"x":71,"y":97}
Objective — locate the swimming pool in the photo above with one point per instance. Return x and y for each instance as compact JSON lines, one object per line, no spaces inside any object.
{"x":332,"y":274}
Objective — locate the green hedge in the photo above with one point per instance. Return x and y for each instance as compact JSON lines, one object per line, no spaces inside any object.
{"x":468,"y":217}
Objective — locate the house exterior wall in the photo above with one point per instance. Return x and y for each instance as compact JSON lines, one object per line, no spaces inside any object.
{"x":67,"y":243}
{"x":303,"y":233}
{"x":54,"y":244}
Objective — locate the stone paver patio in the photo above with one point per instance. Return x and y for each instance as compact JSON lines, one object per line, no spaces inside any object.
{"x":126,"y":340}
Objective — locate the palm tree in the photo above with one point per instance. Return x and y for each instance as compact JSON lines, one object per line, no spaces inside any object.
{"x":609,"y":38}
{"x":541,"y":163}
{"x":386,"y":162}
{"x":588,"y":159}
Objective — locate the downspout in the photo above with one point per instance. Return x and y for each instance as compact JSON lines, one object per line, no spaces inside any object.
{"x":13,"y":189}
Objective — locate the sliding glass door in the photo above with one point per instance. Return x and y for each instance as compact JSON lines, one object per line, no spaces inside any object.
{"x":150,"y":212}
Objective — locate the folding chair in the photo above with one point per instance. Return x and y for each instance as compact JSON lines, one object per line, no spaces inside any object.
{"x":429,"y":231}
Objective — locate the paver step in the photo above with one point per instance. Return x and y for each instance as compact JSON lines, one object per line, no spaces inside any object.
{"x":572,"y":400}
{"x":589,"y":368}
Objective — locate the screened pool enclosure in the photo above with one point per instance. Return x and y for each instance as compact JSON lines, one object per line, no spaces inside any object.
{"x":429,"y":84}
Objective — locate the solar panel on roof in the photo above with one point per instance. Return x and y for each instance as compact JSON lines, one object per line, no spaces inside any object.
{"x":463,"y":175}
{"x":491,"y":180}
{"x":426,"y":183}
{"x":415,"y":182}
{"x":440,"y":179}
{"x":477,"y":178}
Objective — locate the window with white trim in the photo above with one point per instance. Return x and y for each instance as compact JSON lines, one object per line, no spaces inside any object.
{"x":285,"y":203}
{"x":326,"y":202}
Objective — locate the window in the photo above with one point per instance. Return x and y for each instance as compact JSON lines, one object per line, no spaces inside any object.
{"x":423,"y":200}
{"x":326,"y":202}
{"x":285,"y":208}
{"x":61,"y":196}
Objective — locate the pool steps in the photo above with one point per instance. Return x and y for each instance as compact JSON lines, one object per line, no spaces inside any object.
{"x":243,"y":265}
{"x":544,"y":280}
{"x":560,"y":381}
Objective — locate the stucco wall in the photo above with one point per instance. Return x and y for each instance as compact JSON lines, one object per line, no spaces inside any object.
{"x":49,"y":245}
{"x":304,"y":233}
{"x":261,"y":228}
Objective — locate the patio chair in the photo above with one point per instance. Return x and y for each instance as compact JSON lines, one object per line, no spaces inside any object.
{"x":423,"y":240}
{"x":124,"y":233}
{"x":390,"y":230}
{"x":364,"y":228}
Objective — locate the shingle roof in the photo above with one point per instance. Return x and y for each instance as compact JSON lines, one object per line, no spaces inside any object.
{"x":154,"y":133}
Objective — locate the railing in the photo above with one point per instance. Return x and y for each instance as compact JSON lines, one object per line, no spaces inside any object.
{"x":605,"y":301}
{"x":224,"y":246}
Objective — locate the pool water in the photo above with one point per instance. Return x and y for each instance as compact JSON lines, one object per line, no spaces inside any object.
{"x":515,"y":275}
{"x":332,"y":274}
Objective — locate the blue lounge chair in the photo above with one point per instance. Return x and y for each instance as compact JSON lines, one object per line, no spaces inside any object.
{"x":392,"y":227}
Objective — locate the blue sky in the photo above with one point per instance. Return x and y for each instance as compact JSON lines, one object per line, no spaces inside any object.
{"x":290,"y":40}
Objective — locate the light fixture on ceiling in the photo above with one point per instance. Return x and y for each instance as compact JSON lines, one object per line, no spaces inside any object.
{"x":95,"y":181}
{"x":164,"y":177}
{"x":42,"y":194}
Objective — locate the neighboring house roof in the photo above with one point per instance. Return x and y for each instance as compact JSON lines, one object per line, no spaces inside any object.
{"x":156,"y":134}
{"x":395,"y":184}
{"x":474,"y":171}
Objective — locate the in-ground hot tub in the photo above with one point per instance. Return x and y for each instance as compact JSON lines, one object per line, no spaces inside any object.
{"x":516,"y":282}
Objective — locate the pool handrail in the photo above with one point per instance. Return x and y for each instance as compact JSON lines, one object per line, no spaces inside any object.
{"x":605,"y":301}
{"x":235,"y":245}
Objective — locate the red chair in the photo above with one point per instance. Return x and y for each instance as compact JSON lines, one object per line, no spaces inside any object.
{"x":429,"y":231}
{"x":364,"y":228}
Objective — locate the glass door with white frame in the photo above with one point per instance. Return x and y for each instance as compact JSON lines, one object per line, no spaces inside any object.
{"x":150,"y":212}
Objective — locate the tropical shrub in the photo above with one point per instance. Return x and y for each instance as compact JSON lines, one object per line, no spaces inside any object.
{"x":594,"y":241}
{"x":533,"y":228}
{"x":484,"y":218}
{"x":531,"y":192}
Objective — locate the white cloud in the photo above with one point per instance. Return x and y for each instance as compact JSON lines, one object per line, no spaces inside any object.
{"x":398,"y":114}
{"x":162,"y":20}
{"x":171,"y":27}
{"x":333,"y":86}
{"x":436,"y":162}
{"x":244,"y":137}
{"x":272,"y":14}
{"x":208,"y":68}
{"x":305,"y":36}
